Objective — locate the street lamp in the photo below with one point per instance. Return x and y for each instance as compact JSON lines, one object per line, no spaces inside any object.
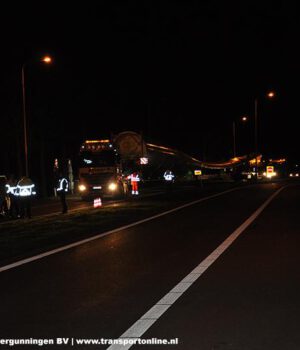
{"x":270,"y":95}
{"x":243,"y":119}
{"x":47,"y":60}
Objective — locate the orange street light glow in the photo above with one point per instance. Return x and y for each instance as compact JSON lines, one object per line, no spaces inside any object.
{"x":271,"y":94}
{"x":47,"y":59}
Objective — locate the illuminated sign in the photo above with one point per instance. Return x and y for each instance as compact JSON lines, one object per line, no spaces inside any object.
{"x":198,"y":172}
{"x":270,"y":172}
{"x":97,"y":202}
{"x":143,"y":160}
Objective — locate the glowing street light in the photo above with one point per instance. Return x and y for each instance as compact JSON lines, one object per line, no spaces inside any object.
{"x":46,"y":59}
{"x":270,"y":94}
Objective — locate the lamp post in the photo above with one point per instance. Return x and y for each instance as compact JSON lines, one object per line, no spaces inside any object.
{"x":47,"y":60}
{"x":234,"y":142}
{"x":270,"y":95}
{"x":243,"y":119}
{"x":24,"y":120}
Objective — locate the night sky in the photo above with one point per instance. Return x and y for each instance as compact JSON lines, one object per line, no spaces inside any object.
{"x":180,"y":72}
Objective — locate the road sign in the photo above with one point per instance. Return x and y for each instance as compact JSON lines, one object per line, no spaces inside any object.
{"x":97,"y":202}
{"x":144,"y":160}
{"x":270,"y":169}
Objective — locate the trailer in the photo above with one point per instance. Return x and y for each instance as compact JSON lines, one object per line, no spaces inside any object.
{"x":105,"y":164}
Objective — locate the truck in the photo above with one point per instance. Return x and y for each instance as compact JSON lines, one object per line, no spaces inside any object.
{"x":105,"y":164}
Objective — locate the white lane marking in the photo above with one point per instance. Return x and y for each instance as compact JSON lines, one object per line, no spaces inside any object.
{"x":75,"y":244}
{"x":155,"y":311}
{"x":136,"y":331}
{"x":141,"y":326}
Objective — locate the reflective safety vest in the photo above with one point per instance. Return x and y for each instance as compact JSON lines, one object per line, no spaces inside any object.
{"x":63,"y":185}
{"x":11,"y":189}
{"x":25,"y":188}
{"x":134,"y":177}
{"x":168,"y":175}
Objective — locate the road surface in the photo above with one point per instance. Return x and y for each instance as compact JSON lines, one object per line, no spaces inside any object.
{"x":243,"y":296}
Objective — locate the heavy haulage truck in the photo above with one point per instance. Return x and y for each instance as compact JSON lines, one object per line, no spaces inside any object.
{"x":104,"y":165}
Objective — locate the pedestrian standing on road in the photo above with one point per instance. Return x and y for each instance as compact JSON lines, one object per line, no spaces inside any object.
{"x":169,"y":180}
{"x":25,"y":191}
{"x":3,"y":196}
{"x":11,"y":191}
{"x":62,"y":189}
{"x":134,"y":178}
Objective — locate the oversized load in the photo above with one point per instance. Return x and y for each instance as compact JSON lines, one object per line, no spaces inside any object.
{"x":130,"y":145}
{"x":106,"y":163}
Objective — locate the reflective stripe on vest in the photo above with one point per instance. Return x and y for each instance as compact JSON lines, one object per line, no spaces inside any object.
{"x":25,"y":191}
{"x":11,"y":189}
{"x":61,"y":185}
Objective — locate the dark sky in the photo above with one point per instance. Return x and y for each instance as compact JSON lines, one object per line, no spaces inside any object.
{"x":180,"y":72}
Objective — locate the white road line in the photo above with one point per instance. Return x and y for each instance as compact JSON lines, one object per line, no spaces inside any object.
{"x":76,"y":244}
{"x":152,"y":315}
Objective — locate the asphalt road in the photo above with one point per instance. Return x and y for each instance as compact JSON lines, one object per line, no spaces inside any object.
{"x":52,"y":205}
{"x":247,"y":299}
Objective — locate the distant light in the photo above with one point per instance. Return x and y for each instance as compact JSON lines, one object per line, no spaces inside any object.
{"x":47,"y":59}
{"x":278,"y":161}
{"x":270,"y":175}
{"x":271,"y":94}
{"x":97,"y":141}
{"x":270,"y":172}
{"x":82,"y":188}
{"x":112,"y":186}
{"x":244,"y":118}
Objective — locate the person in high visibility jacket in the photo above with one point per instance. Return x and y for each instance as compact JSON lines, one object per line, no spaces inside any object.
{"x":169,"y":176}
{"x":134,"y":179}
{"x":25,"y":191}
{"x":3,"y":196}
{"x":12,"y":192}
{"x":169,"y":180}
{"x":62,"y":189}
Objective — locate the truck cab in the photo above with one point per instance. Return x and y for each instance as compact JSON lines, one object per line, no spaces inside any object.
{"x":99,"y":171}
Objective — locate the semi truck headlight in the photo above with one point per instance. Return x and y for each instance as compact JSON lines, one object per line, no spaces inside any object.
{"x":112,"y":186}
{"x":82,"y":188}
